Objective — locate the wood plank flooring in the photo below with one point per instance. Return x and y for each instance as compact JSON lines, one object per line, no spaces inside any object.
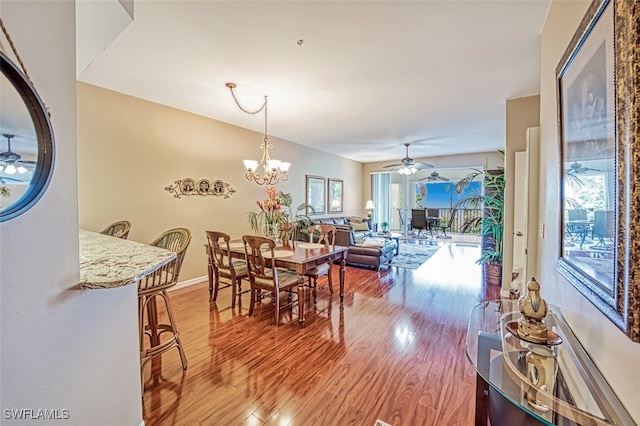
{"x":393,"y":350}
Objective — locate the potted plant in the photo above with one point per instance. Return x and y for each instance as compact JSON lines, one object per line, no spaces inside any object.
{"x":491,"y":222}
{"x":385,"y":227}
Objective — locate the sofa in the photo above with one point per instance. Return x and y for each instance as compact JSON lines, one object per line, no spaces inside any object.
{"x":365,"y":248}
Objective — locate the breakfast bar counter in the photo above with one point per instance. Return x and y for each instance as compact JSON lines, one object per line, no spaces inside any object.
{"x":108,"y":262}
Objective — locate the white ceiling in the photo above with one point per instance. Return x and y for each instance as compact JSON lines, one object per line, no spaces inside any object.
{"x":370,"y":75}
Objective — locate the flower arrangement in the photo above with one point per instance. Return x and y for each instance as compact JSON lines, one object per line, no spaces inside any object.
{"x":272,"y":213}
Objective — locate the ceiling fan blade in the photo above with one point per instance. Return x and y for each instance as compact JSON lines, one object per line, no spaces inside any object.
{"x":393,"y":165}
{"x":4,"y":179}
{"x":421,"y":166}
{"x":27,"y":162}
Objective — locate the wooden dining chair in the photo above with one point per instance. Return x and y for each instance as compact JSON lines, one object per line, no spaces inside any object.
{"x":221,"y":264}
{"x":288,"y":233}
{"x":118,"y":229}
{"x":155,"y":286}
{"x":322,"y":234}
{"x":260,"y":257}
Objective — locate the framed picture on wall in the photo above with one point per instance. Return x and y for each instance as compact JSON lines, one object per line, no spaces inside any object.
{"x":315,"y":195}
{"x":334,"y":199}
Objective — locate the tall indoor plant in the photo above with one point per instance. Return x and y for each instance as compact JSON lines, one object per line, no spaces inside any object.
{"x":491,"y":222}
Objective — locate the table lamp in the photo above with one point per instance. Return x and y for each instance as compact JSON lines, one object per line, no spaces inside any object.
{"x":369,"y":207}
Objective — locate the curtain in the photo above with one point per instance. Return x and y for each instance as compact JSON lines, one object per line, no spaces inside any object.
{"x":381,"y":189}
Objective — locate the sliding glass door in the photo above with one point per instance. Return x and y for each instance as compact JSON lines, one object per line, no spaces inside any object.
{"x":395,"y":195}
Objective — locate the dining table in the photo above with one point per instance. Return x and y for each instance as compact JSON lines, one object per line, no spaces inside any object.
{"x":301,"y":257}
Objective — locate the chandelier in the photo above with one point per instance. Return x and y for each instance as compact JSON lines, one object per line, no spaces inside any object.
{"x":266,"y":171}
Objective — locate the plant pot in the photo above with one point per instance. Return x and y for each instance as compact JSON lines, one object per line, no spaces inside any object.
{"x":492,"y":273}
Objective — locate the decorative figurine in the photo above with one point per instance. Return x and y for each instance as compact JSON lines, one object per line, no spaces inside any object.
{"x":516,"y":280}
{"x":533,"y":309}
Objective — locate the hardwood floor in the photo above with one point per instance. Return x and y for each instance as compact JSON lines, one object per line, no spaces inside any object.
{"x":394,"y":351}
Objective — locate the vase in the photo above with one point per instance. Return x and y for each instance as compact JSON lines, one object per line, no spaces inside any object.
{"x":271,"y":230}
{"x":493,"y":273}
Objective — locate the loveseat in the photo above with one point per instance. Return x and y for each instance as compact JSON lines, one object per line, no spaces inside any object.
{"x":365,"y":248}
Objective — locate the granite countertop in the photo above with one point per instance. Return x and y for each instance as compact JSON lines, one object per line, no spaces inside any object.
{"x":107,"y":262}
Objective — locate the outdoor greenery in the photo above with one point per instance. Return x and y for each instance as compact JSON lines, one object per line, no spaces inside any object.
{"x":491,"y":223}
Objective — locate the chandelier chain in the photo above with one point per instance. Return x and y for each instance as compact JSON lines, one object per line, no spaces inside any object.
{"x":245,"y":110}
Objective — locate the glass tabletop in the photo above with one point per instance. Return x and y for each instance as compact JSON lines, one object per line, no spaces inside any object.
{"x":556,"y":383}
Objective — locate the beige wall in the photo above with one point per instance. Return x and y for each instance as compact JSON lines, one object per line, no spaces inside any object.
{"x":521,"y":113}
{"x":129,"y":150}
{"x":616,"y":356}
{"x":61,"y":348}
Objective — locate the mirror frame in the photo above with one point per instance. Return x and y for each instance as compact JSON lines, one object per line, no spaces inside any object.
{"x":44,"y":133}
{"x":623,"y":306}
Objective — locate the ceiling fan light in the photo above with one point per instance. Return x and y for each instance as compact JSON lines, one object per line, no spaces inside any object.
{"x":21,"y":170}
{"x":10,"y":169}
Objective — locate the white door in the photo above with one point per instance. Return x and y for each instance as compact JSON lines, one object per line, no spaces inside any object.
{"x":520,"y":208}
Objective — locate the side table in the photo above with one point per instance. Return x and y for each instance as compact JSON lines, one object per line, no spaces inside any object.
{"x":524,"y":383}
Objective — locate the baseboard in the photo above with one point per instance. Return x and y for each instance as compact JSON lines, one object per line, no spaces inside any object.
{"x":187,"y":283}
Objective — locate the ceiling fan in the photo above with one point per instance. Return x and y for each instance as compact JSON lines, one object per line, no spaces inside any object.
{"x":578,"y":169}
{"x":13,"y":162}
{"x":407,"y":166}
{"x":435,"y":177}
{"x":5,"y":180}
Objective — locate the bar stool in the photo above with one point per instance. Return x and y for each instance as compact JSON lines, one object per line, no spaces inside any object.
{"x":155,"y":286}
{"x":118,"y":229}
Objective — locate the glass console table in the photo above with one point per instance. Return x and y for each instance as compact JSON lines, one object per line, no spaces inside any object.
{"x":521,"y":383}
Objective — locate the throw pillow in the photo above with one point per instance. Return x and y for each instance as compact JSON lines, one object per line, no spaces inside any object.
{"x":373,"y":242}
{"x":360,"y":226}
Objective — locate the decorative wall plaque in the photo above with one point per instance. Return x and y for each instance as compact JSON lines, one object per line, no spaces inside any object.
{"x":189,"y":186}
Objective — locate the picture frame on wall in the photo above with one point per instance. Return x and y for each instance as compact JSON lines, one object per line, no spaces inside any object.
{"x":315,"y":190}
{"x":334,"y":195}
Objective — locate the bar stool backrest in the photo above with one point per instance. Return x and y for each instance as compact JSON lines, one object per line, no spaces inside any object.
{"x":118,"y":229}
{"x":177,"y":240}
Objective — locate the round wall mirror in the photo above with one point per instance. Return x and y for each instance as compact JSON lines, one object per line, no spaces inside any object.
{"x":26,"y":143}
